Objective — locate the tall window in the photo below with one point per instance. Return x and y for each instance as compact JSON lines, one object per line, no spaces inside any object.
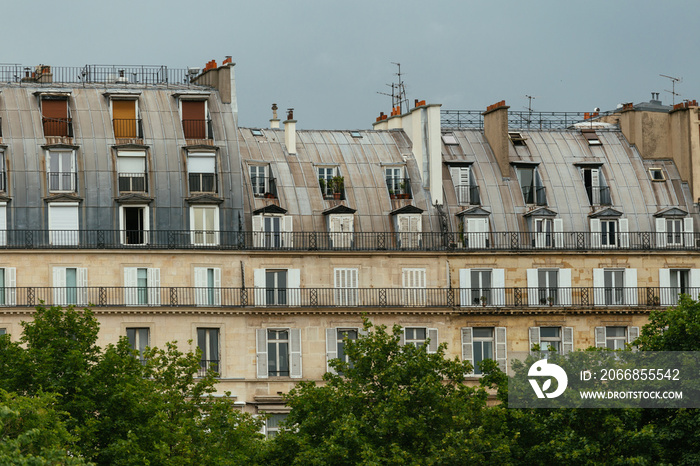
{"x":139,"y":338}
{"x":201,"y":170}
{"x":396,"y":181}
{"x":275,"y":287}
{"x":341,"y":230}
{"x":481,"y":287}
{"x":544,"y":231}
{"x":674,"y":232}
{"x":278,"y":352}
{"x":61,"y":171}
{"x":3,"y":223}
{"x":466,"y":190}
{"x":531,"y":185}
{"x":204,"y":224}
{"x":483,"y":344}
{"x":414,"y":287}
{"x":125,"y":119}
{"x":207,"y":282}
{"x":343,"y":334}
{"x":141,"y":286}
{"x":335,"y":345}
{"x":260,"y":181}
{"x":132,"y":171}
{"x":272,"y":231}
{"x":610,"y":233}
{"x":64,"y":223}
{"x":325,"y":177}
{"x":346,"y":292}
{"x":608,"y":230}
{"x":596,"y":188}
{"x":8,"y":283}
{"x":70,"y":286}
{"x":273,"y":424}
{"x":55,"y":118}
{"x":614,"y":287}
{"x":208,"y":343}
{"x":134,"y":224}
{"x":674,"y":282}
{"x":550,"y":339}
{"x":3,"y":173}
{"x":194,"y":119}
{"x":409,"y":228}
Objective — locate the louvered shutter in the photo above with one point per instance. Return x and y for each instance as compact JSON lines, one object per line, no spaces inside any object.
{"x":666,"y":294}
{"x":404,"y":227}
{"x":558,"y":225}
{"x":688,"y":234}
{"x":532,"y":290}
{"x":599,"y":287}
{"x":217,"y":286}
{"x":632,"y":334}
{"x":499,"y":287}
{"x":82,"y":283}
{"x":623,"y":225}
{"x":10,"y":286}
{"x":153,"y":287}
{"x":661,"y":232}
{"x":295,"y":353}
{"x":288,"y":235}
{"x":467,"y":346}
{"x":465,"y":285}
{"x":477,"y":232}
{"x":346,"y":293}
{"x":600,"y":337}
{"x":595,"y":233}
{"x":534,"y":334}
{"x":415,"y":227}
{"x":258,"y":233}
{"x":294,"y":287}
{"x":331,"y":348}
{"x":200,"y":286}
{"x":261,"y":352}
{"x":565,"y":287}
{"x":595,"y":186}
{"x":130,"y":282}
{"x":630,"y":287}
{"x":433,"y":336}
{"x":259,"y":284}
{"x":694,"y":283}
{"x":402,"y":337}
{"x":568,"y":340}
{"x":335,"y":228}
{"x":59,"y":286}
{"x":501,"y":349}
{"x":3,"y":221}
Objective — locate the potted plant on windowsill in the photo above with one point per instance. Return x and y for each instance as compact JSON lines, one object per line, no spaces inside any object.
{"x":402,"y":190}
{"x":322,"y":184}
{"x":550,"y":300}
{"x":337,"y":185}
{"x":392,"y":195}
{"x":483,"y":300}
{"x":543,"y":301}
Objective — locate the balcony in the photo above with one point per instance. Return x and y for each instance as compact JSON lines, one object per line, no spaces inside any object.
{"x":599,"y":196}
{"x":62,"y":181}
{"x":197,"y":129}
{"x":535,"y":195}
{"x":57,"y":127}
{"x":459,"y":299}
{"x":128,"y":129}
{"x":399,"y":188}
{"x":133,"y":183}
{"x":264,"y":186}
{"x":467,"y":195}
{"x":203,"y":183}
{"x":450,"y":242}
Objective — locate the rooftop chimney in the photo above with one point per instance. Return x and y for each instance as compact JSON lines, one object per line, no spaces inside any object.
{"x":274,"y":122}
{"x":496,"y":132}
{"x":290,"y":132}
{"x":655,"y":98}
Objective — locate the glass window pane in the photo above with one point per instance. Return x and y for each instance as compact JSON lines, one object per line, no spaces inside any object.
{"x":549,"y":332}
{"x":482,"y":332}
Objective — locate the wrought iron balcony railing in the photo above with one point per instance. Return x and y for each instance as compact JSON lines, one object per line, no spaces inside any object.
{"x":203,"y":182}
{"x":474,"y":119}
{"x":468,"y":195}
{"x":264,"y":186}
{"x":197,"y":129}
{"x":62,"y":181}
{"x":127,"y":128}
{"x":57,"y":126}
{"x":350,"y":241}
{"x":473,"y":299}
{"x":535,"y":195}
{"x":133,"y":182}
{"x":599,"y":196}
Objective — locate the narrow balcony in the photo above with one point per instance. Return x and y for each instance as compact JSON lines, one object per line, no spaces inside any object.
{"x":203,"y":183}
{"x":128,"y":129}
{"x":399,"y":188}
{"x":198,"y":129}
{"x":467,"y":195}
{"x":57,"y":127}
{"x":62,"y":181}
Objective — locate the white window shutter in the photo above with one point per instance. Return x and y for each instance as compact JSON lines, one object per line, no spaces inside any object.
{"x":433,"y":345}
{"x":666,"y":294}
{"x":403,"y":227}
{"x":532,"y":284}
{"x":259,"y":284}
{"x":258,"y":234}
{"x":600,"y":337}
{"x":568,"y":340}
{"x":261,"y":352}
{"x":534,"y":334}
{"x":498,"y":278}
{"x":294,"y":287}
{"x":154,"y":287}
{"x":331,"y":347}
{"x":217,"y":286}
{"x":565,"y":287}
{"x":467,"y":346}
{"x":402,"y":336}
{"x":623,"y":225}
{"x":595,"y":186}
{"x":598,"y":287}
{"x":631,"y":287}
{"x":558,"y":225}
{"x":501,"y":349}
{"x":661,"y":232}
{"x":200,"y":285}
{"x":10,"y":286}
{"x":694,"y":283}
{"x":688,"y":234}
{"x":632,"y":334}
{"x":465,"y":285}
{"x":59,"y":286}
{"x":288,"y":235}
{"x":130,"y":282}
{"x":595,"y":233}
{"x":295,"y":353}
{"x":82,"y":283}
{"x":3,"y":222}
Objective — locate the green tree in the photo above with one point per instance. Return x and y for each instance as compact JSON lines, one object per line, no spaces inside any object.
{"x":393,"y":404}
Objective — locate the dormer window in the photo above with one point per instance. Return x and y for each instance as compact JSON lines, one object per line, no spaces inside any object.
{"x":125,"y":119}
{"x":397,"y":182}
{"x":545,"y":228}
{"x":332,"y":184}
{"x":272,"y":228}
{"x":55,"y":115}
{"x":674,"y":229}
{"x":262,"y":182}
{"x":596,"y":188}
{"x":131,"y":166}
{"x":466,"y":190}
{"x":531,"y":185}
{"x":61,"y":171}
{"x":657,"y":174}
{"x":201,"y":172}
{"x":195,"y":121}
{"x":608,"y":230}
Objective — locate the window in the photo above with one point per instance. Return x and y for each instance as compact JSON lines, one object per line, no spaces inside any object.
{"x":615,"y":337}
{"x":517,"y":138}
{"x":482,"y":287}
{"x":355,"y":134}
{"x":416,"y":336}
{"x":273,"y":423}
{"x":325,"y":180}
{"x":409,"y":228}
{"x":544,"y":229}
{"x":531,"y":185}
{"x":480,"y":343}
{"x":70,"y":286}
{"x":63,"y":223}
{"x":55,"y":117}
{"x":345,"y":282}
{"x":277,"y":287}
{"x":615,"y":287}
{"x":134,"y":224}
{"x":397,"y":183}
{"x":201,"y":171}
{"x":657,"y":174}
{"x":3,"y":223}
{"x":141,"y":286}
{"x":341,"y":230}
{"x":591,"y":137}
{"x":596,"y":188}
{"x":278,"y":352}
{"x":559,"y":339}
{"x":673,"y":282}
{"x":476,"y":232}
{"x":131,"y":166}
{"x":208,"y":343}
{"x":3,"y":171}
{"x":125,"y":119}
{"x":466,"y":190}
{"x":675,"y":232}
{"x":3,"y":331}
{"x":195,"y":124}
{"x":609,"y":233}
{"x":139,"y":338}
{"x":204,"y":225}
{"x":61,"y":171}
{"x":335,"y":344}
{"x":256,"y":132}
{"x":414,"y":291}
{"x":263,"y":185}
{"x":272,"y":231}
{"x":207,"y":283}
{"x":449,"y":139}
{"x":8,"y":284}
{"x":549,"y":287}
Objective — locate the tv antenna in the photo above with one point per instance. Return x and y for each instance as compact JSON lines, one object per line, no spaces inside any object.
{"x":529,"y":108}
{"x":673,"y":84}
{"x":398,"y":92}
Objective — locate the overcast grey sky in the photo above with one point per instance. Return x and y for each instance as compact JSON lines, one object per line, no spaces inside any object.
{"x":328,"y":59}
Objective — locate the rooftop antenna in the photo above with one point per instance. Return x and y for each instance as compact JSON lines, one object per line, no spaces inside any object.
{"x":673,"y":84}
{"x":529,"y":108}
{"x":398,"y":92}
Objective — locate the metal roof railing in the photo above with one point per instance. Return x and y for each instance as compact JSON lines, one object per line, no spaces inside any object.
{"x":525,"y":120}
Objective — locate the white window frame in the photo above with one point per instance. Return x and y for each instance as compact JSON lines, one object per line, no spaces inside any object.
{"x":271,"y":239}
{"x":3,"y":223}
{"x":206,"y":294}
{"x":204,"y":237}
{"x":146,"y":224}
{"x":124,"y":155}
{"x":206,"y":352}
{"x":131,"y":288}
{"x":9,"y":291}
{"x":255,"y":186}
{"x":327,"y":176}
{"x":295,"y":354}
{"x":345,"y":282}
{"x":64,"y":236}
{"x":461,"y":180}
{"x":430,"y":334}
{"x":293,"y":286}
{"x":335,"y":337}
{"x":393,"y":177}
{"x":137,"y":343}
{"x":73,"y":170}
{"x":60,"y":290}
{"x":410,"y":229}
{"x":628,"y":287}
{"x":668,"y":293}
{"x":476,"y":232}
{"x":341,"y":228}
{"x":565,"y":339}
{"x":497,"y":295}
{"x":684,"y":237}
{"x":500,"y":348}
{"x":606,"y":239}
{"x":601,"y":337}
{"x":199,"y":156}
{"x":548,"y":232}
{"x":414,"y":286}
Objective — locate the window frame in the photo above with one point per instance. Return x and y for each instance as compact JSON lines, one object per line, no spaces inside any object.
{"x":206,"y":362}
{"x":206,"y":237}
{"x":294,"y":353}
{"x":143,"y":233}
{"x":73,"y":171}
